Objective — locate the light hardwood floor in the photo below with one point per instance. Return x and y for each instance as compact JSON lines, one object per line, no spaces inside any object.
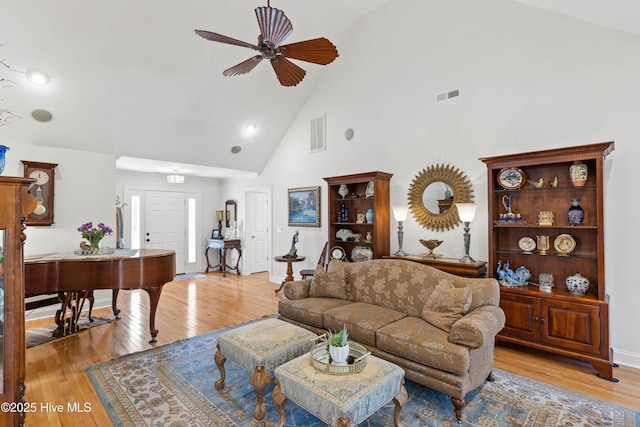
{"x":55,"y":371}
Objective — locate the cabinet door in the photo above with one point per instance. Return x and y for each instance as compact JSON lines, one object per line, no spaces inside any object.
{"x":522,"y":316}
{"x":571,"y":326}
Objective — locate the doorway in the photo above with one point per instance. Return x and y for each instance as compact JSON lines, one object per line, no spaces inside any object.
{"x":258,"y":236}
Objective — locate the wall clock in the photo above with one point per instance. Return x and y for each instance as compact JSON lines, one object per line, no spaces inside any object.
{"x":42,"y":189}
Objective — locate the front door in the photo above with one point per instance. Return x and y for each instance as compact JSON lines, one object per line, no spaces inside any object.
{"x":164,"y":223}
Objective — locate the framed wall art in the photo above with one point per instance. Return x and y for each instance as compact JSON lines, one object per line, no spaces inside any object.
{"x":304,"y":207}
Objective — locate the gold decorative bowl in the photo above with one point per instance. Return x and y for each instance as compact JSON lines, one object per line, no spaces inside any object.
{"x":431,"y":244}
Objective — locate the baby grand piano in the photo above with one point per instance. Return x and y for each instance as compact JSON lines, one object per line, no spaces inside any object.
{"x":74,"y":278}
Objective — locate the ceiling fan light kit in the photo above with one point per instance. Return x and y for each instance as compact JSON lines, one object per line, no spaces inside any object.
{"x":275,"y":27}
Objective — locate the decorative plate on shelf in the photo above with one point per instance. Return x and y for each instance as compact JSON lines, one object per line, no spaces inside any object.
{"x":361,"y":253}
{"x":527,"y":244}
{"x":511,"y":178}
{"x":564,"y":244}
{"x":338,"y":253}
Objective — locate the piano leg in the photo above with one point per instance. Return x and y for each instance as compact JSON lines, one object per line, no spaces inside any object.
{"x":154,"y":296}
{"x":114,"y":301}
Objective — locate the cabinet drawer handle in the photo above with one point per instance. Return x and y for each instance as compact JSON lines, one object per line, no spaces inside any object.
{"x":543,"y":320}
{"x":536,"y":318}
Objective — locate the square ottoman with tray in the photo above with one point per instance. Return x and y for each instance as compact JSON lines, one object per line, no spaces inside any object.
{"x":259,"y":348}
{"x":339,"y":395}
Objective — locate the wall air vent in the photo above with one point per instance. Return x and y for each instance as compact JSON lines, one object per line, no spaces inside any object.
{"x":318,"y":134}
{"x":447,"y":95}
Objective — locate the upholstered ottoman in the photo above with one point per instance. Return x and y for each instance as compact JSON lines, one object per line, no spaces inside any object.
{"x":339,"y":400}
{"x":259,"y":348}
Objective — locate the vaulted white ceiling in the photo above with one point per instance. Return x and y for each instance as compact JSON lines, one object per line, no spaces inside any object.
{"x":131,"y":78}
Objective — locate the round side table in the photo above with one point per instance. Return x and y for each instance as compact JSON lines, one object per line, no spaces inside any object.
{"x":289,"y":262}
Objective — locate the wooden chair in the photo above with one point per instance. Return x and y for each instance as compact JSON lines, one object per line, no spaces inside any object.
{"x":323,"y":261}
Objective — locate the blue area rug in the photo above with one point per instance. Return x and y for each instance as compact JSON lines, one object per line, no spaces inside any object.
{"x":188,"y":276}
{"x":173,"y":385}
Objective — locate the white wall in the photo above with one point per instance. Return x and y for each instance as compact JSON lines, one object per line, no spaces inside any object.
{"x":84,"y":191}
{"x":529,"y":80}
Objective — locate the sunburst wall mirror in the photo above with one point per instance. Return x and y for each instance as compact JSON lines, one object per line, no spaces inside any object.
{"x":433,"y":194}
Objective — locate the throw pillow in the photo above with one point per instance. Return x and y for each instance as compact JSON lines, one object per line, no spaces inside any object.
{"x":446,"y":305}
{"x":329,"y":285}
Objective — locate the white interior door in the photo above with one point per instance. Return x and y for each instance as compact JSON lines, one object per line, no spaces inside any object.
{"x":258,"y":230}
{"x":164,"y":224}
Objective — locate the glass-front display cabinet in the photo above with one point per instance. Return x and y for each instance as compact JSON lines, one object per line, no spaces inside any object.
{"x":16,"y":204}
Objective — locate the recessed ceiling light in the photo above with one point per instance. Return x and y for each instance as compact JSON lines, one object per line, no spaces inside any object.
{"x":250,"y":128}
{"x":37,"y":77}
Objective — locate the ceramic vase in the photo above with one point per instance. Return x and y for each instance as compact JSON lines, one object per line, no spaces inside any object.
{"x":339,"y":355}
{"x":578,"y":173}
{"x":577,"y":284}
{"x":3,"y":150}
{"x":343,"y":190}
{"x":369,"y":215}
{"x":368,"y":192}
{"x":575,"y":214}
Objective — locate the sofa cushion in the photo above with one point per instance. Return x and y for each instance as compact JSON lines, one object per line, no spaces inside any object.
{"x":329,"y":284}
{"x":415,"y":339}
{"x":362,"y":320}
{"x":446,"y":305}
{"x":309,"y":310}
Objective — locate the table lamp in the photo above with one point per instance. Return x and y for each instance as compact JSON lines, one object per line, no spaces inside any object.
{"x":400,"y":214}
{"x":466,"y":212}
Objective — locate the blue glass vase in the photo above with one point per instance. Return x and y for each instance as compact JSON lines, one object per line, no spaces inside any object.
{"x":3,"y":150}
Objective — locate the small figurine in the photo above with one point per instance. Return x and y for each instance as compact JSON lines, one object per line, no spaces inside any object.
{"x":537,"y":184}
{"x":293,"y":252}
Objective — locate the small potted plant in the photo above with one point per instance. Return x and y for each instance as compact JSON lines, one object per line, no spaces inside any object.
{"x":338,"y":345}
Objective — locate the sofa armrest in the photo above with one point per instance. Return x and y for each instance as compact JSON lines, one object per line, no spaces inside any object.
{"x":478,"y":327}
{"x":298,"y":289}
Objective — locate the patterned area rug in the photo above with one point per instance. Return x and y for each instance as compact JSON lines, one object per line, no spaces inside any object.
{"x":173,"y":385}
{"x":188,"y":276}
{"x":43,"y":334}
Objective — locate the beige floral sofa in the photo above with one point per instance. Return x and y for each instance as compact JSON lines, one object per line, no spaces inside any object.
{"x":437,"y":326}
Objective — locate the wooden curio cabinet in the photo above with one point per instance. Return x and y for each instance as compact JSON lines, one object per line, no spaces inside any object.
{"x":16,"y":204}
{"x":356,"y":202}
{"x":557,"y":321}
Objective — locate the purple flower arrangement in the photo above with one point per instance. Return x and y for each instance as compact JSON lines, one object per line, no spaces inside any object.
{"x":93,"y":234}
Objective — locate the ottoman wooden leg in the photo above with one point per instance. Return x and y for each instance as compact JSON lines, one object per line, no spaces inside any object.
{"x":399,"y":400}
{"x":279,"y":400}
{"x":259,"y":379}
{"x":344,"y":422}
{"x":220,"y":359}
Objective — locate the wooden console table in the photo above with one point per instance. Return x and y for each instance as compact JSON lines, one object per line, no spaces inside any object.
{"x":449,"y":265}
{"x":222,"y":245}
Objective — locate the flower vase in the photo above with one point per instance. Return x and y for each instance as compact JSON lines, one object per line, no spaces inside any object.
{"x":3,"y":150}
{"x":339,"y":355}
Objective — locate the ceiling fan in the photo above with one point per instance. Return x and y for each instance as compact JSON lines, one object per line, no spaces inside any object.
{"x":275,"y":27}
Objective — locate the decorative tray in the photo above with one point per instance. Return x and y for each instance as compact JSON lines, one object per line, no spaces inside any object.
{"x":356,"y":362}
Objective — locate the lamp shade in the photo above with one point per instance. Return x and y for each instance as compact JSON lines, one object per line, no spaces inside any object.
{"x":400,"y":213}
{"x":466,"y":211}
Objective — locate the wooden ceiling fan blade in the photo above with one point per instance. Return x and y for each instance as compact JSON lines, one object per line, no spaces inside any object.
{"x":244,"y":67}
{"x":288,"y":73}
{"x":275,"y":27}
{"x":215,"y":37}
{"x":319,"y":51}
